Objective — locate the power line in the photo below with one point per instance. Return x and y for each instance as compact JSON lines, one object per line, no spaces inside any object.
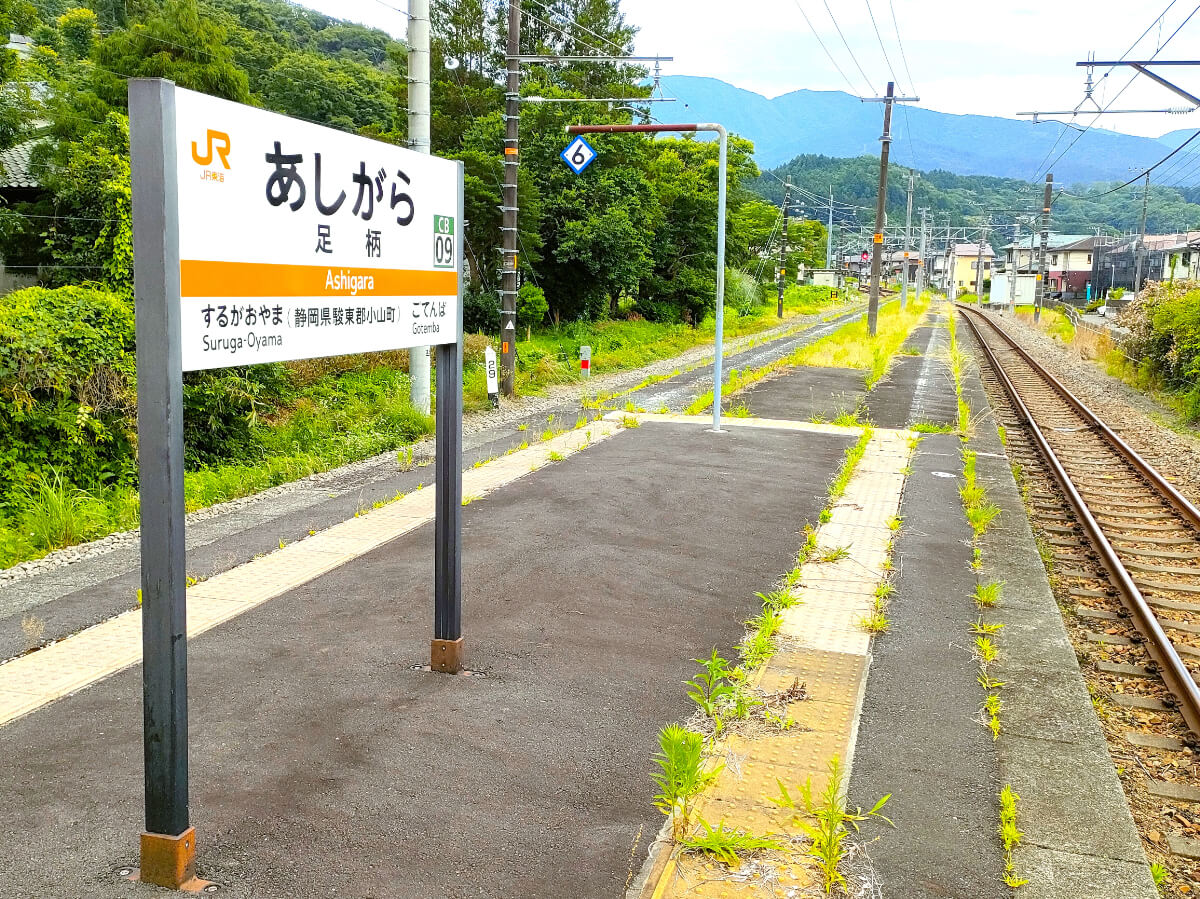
{"x":1063,"y":129}
{"x":823,"y":47}
{"x":1137,"y":177}
{"x":903,"y":56}
{"x":879,"y":37}
{"x":1096,"y":117}
{"x":845,"y":43}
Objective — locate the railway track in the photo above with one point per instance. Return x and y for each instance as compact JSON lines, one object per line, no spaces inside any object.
{"x":1129,"y":544}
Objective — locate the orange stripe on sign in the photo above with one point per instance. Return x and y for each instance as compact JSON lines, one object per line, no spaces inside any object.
{"x":200,"y":278}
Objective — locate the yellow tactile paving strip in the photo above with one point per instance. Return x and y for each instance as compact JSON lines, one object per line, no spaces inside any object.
{"x":824,"y":646}
{"x":728,"y":421}
{"x":38,"y":678}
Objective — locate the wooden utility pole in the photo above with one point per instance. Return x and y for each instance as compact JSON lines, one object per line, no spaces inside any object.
{"x":508,"y":275}
{"x":880,"y":211}
{"x":787,"y":195}
{"x":1039,"y":296}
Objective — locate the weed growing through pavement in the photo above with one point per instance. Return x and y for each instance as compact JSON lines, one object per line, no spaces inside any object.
{"x":833,"y":554}
{"x":523,"y":426}
{"x":405,"y":458}
{"x":1002,"y":434}
{"x":741,"y":410}
{"x":976,"y":558}
{"x":987,"y":595}
{"x":778,"y":599}
{"x":850,"y":461}
{"x":556,"y":456}
{"x":1010,"y":835}
{"x":988,"y":629}
{"x":832,"y":818}
{"x":846,"y":420}
{"x":547,"y":434}
{"x":681,"y":776}
{"x":931,"y":427}
{"x":630,"y":421}
{"x":711,"y":686}
{"x":724,"y":843}
{"x":759,"y":643}
{"x":894,"y":523}
{"x":979,"y":511}
{"x":467,"y":500}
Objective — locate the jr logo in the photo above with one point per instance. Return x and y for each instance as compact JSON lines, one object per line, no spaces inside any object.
{"x":217,"y":140}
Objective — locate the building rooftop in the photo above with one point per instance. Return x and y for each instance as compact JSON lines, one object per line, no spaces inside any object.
{"x":15,"y":166}
{"x":972,"y":249}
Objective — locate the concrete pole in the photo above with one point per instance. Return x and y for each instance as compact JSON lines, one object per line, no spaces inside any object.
{"x":1039,"y":296}
{"x":921,"y":257}
{"x":979,"y":268}
{"x":880,"y":211}
{"x":787,"y":196}
{"x":907,"y":244}
{"x":418,"y":140}
{"x":1016,"y":265}
{"x":1137,"y":271}
{"x":829,"y":233}
{"x":508,"y":275}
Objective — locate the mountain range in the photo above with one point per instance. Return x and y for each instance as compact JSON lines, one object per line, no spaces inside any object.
{"x":834,"y":123}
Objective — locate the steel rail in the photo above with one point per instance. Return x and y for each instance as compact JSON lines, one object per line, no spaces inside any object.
{"x":1170,"y":667}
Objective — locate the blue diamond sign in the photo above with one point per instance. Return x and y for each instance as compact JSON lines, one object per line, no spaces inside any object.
{"x":578,"y":155}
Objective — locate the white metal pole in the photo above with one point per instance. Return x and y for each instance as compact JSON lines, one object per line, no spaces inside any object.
{"x":720,"y":323}
{"x":907,"y":244}
{"x":418,"y":140}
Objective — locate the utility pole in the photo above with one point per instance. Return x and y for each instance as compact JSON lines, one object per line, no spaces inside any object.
{"x":1012,"y":273}
{"x":829,"y":233}
{"x":979,"y":266}
{"x":885,"y":141}
{"x":907,"y":244}
{"x":1040,"y":289}
{"x":1137,"y":272}
{"x":418,"y":140}
{"x":508,"y":275}
{"x":921,"y":256}
{"x":787,"y":195}
{"x":880,"y":211}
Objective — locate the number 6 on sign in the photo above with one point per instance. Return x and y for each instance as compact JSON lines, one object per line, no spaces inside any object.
{"x":578,"y":155}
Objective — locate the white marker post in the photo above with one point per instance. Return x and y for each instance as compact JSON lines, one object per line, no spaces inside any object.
{"x":493,"y":380}
{"x":261,"y":238}
{"x":585,"y":361}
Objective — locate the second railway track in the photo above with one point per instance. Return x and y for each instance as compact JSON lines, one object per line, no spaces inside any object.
{"x":1129,"y":536}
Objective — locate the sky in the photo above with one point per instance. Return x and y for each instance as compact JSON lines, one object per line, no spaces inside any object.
{"x":984,"y":58}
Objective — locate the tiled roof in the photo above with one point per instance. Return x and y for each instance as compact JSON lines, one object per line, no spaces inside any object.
{"x":15,"y":164}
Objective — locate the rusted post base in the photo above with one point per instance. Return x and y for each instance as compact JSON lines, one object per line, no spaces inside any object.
{"x":446,"y":656}
{"x":170,"y":861}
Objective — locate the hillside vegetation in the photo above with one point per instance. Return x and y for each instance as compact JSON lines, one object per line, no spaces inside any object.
{"x":622,"y":257}
{"x":967,"y":199}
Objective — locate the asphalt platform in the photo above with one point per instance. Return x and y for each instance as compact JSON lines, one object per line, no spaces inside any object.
{"x":324,"y":763}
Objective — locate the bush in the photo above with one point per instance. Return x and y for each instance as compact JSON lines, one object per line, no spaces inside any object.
{"x":481,"y":310}
{"x":222,"y":408}
{"x":1164,"y":334}
{"x":66,"y":387}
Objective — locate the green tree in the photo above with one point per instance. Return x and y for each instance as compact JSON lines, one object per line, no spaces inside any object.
{"x":176,"y":42}
{"x":343,"y":93}
{"x":78,"y":28}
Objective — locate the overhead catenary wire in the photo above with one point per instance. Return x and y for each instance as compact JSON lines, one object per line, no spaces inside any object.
{"x":1116,"y":96}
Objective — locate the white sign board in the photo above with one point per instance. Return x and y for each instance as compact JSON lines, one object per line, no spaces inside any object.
{"x":298,"y":241}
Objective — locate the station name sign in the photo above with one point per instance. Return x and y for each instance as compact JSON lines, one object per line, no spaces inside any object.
{"x":298,"y":241}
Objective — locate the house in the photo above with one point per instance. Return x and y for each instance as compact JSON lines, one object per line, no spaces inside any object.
{"x":18,"y":183}
{"x":1070,"y":262}
{"x":1166,"y":257}
{"x":962,"y":261}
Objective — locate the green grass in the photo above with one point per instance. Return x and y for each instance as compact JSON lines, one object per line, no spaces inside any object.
{"x":850,"y":461}
{"x":724,"y":843}
{"x":850,"y":346}
{"x":1010,"y":835}
{"x":550,"y":356}
{"x":931,"y":427}
{"x":1051,"y":321}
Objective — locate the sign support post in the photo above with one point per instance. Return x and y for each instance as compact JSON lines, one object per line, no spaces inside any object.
{"x":446,"y":650}
{"x":168,"y":843}
{"x":252,"y":274}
